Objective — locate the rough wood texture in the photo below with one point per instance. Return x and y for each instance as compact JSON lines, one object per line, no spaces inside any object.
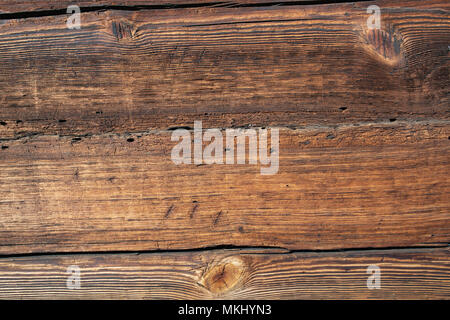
{"x":15,"y":6}
{"x":130,"y":71}
{"x":405,"y":274}
{"x":86,"y":118}
{"x":39,"y":6}
{"x":356,"y":186}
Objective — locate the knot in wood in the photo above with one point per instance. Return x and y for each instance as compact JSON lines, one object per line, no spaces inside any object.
{"x":223,"y":276}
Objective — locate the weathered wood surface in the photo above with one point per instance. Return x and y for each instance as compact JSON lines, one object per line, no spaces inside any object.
{"x":130,"y":71}
{"x":405,"y":274}
{"x":23,"y":6}
{"x":16,"y":6}
{"x":85,"y":124}
{"x":356,"y":186}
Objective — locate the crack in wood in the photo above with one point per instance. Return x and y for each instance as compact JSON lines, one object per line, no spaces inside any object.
{"x":242,"y":249}
{"x":194,"y":209}
{"x":169,"y":211}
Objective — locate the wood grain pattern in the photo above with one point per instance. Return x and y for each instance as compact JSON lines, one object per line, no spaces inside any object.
{"x":353,"y":186}
{"x":152,"y":69}
{"x":17,"y":6}
{"x":229,"y":274}
{"x":86,"y":176}
{"x":14,"y":6}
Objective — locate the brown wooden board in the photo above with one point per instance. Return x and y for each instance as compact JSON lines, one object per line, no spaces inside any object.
{"x":127,"y":71}
{"x":87,"y":179}
{"x":55,"y":6}
{"x":228,"y":274}
{"x":354,"y":186}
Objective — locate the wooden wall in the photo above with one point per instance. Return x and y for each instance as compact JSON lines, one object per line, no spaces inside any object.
{"x":86,"y":176}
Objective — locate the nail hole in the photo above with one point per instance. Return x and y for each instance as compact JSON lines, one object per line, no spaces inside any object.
{"x":76,"y":139}
{"x":62,"y":121}
{"x":130,"y":139}
{"x":330,"y":136}
{"x":3,"y":123}
{"x":392,"y":119}
{"x":19,"y":121}
{"x":4,"y":147}
{"x":343,"y":108}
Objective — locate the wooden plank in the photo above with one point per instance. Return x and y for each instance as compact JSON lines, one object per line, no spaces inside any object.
{"x":20,"y":6}
{"x":14,"y":6}
{"x":229,"y":274}
{"x":86,"y":176}
{"x":378,"y":185}
{"x":132,"y":71}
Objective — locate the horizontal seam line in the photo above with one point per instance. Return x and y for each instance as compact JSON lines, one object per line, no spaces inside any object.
{"x":234,"y":248}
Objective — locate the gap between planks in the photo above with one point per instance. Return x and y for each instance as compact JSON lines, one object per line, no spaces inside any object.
{"x":238,"y":249}
{"x":298,"y":128}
